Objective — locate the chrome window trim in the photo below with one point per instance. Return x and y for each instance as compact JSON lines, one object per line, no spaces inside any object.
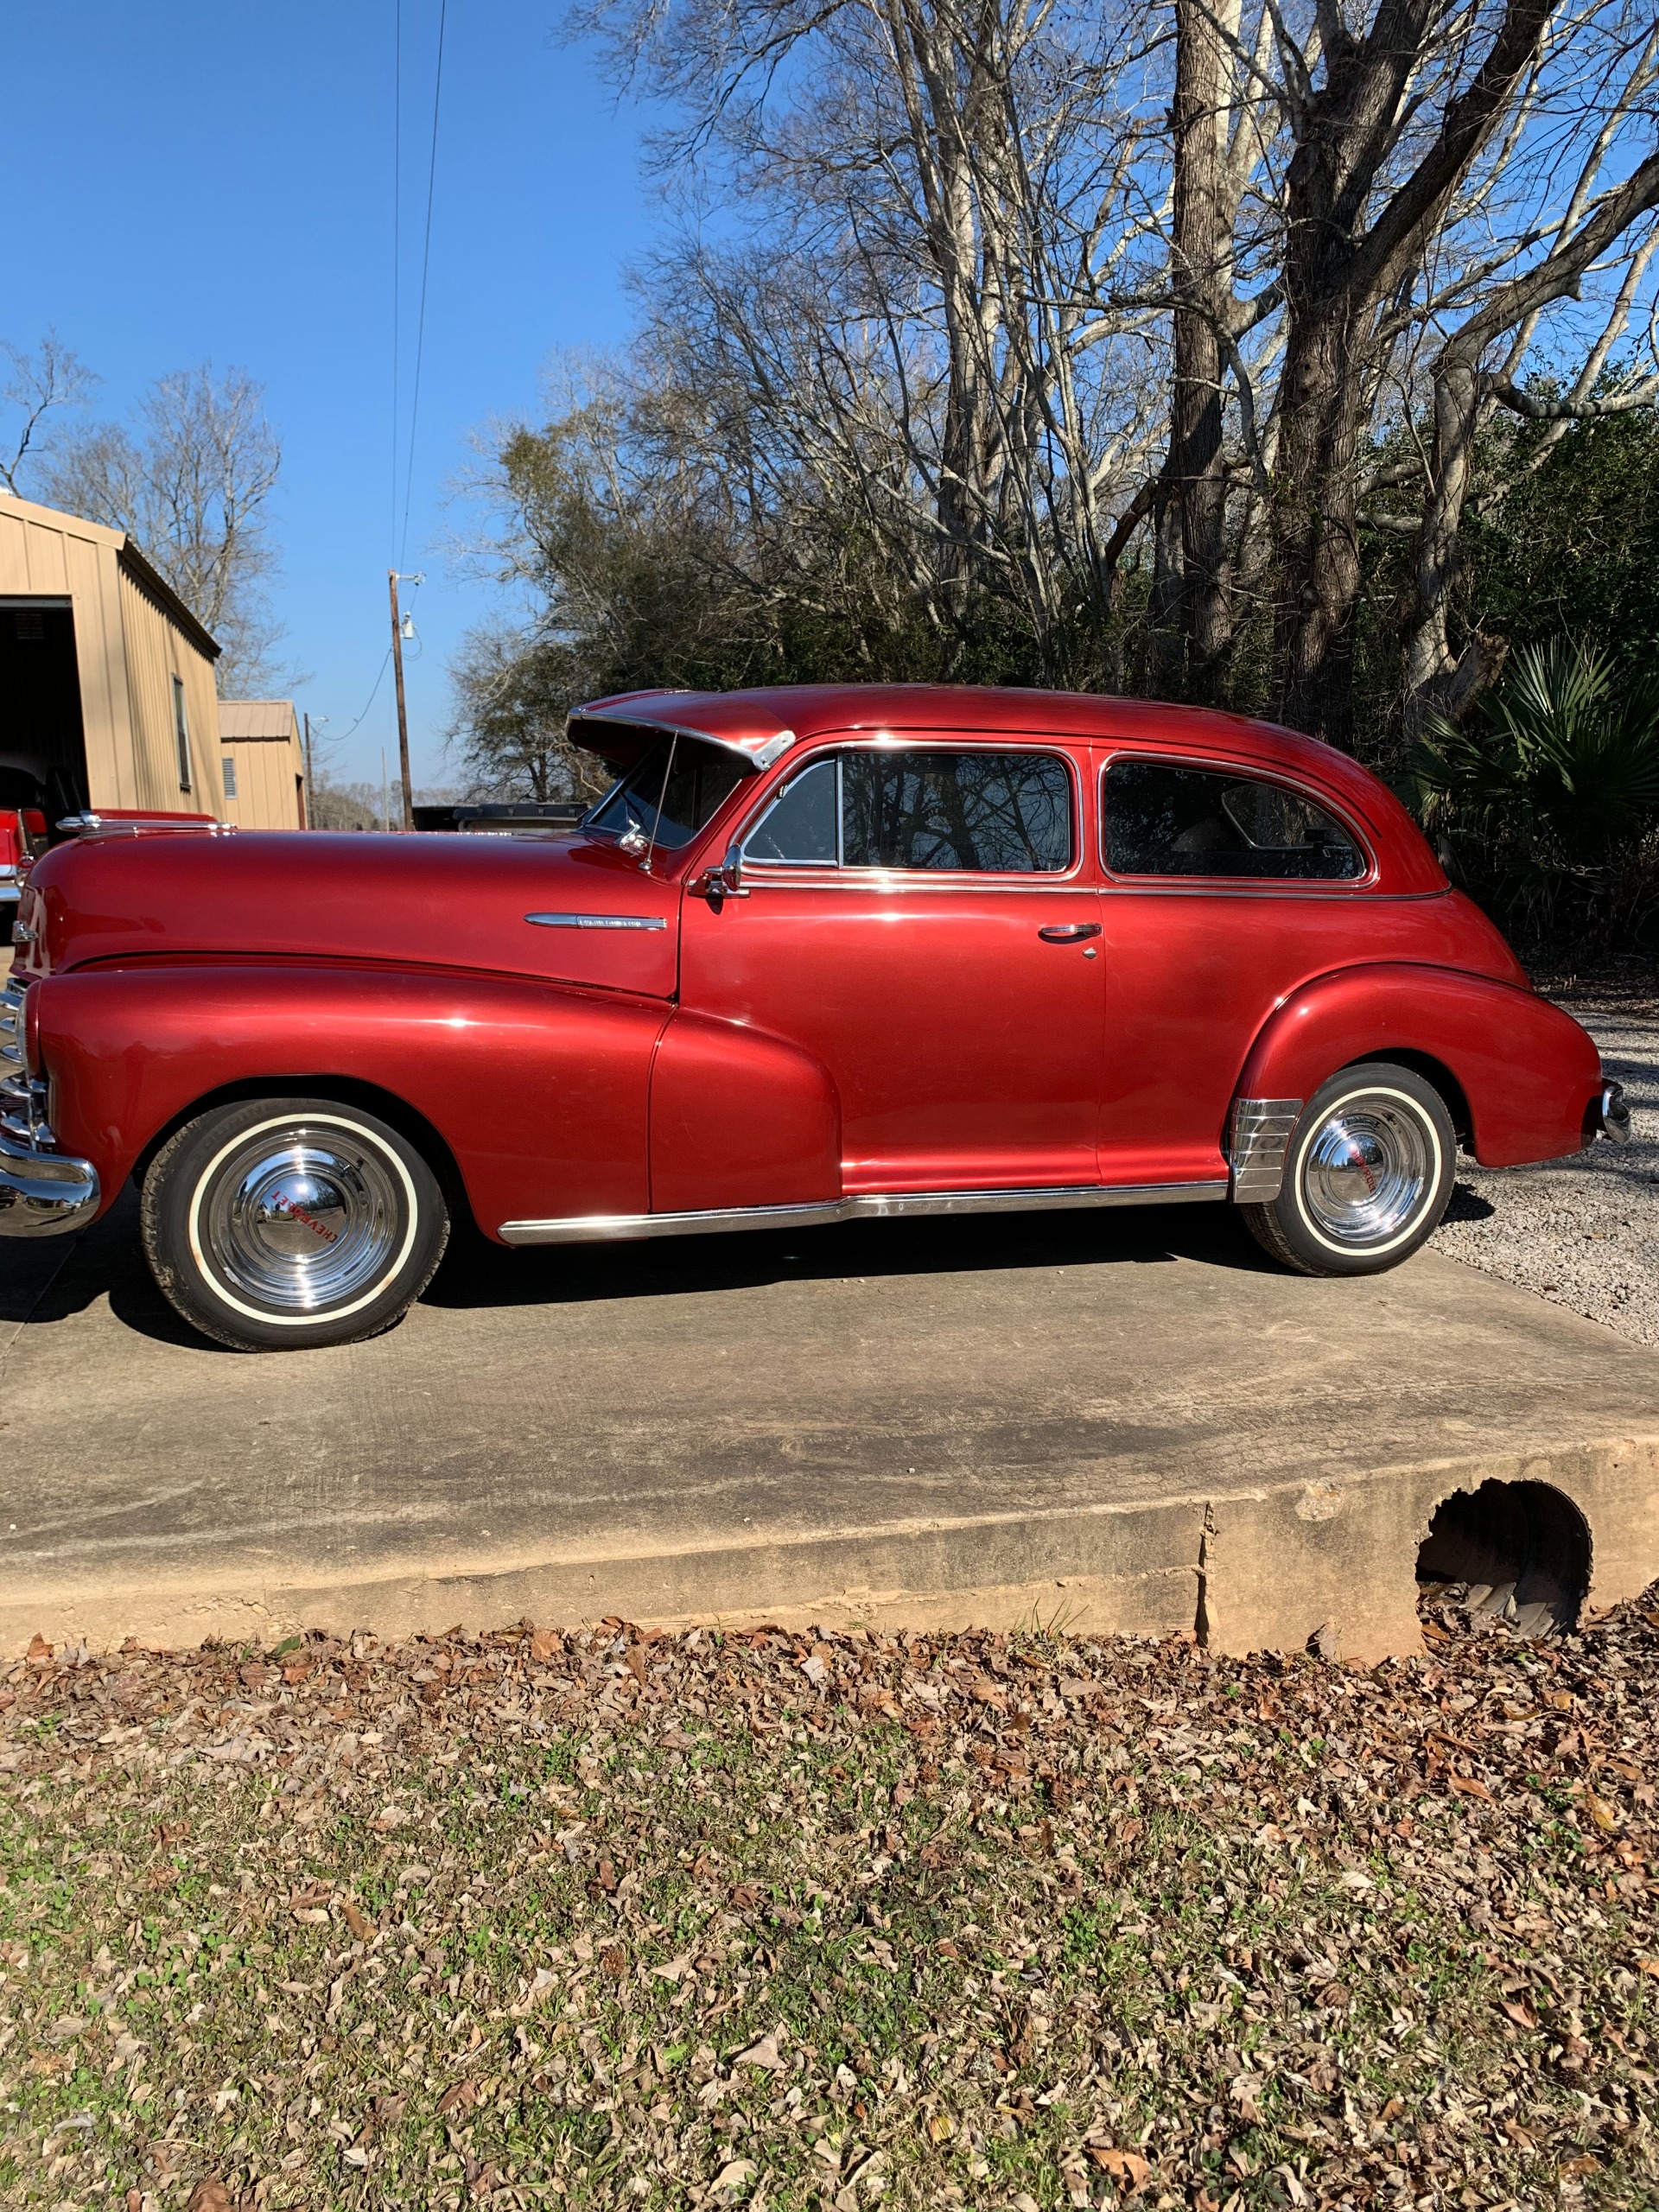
{"x":1320,"y":887}
{"x":868,"y":1206}
{"x":841,"y":874}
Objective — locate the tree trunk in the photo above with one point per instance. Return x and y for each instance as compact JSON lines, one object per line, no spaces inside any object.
{"x":1201,"y":237}
{"x":1316,"y":528}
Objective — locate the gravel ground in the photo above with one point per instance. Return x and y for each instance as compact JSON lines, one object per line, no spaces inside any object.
{"x":1584,"y":1231}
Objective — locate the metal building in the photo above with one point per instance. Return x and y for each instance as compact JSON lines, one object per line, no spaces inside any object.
{"x":106,"y":678}
{"x":262,"y":763}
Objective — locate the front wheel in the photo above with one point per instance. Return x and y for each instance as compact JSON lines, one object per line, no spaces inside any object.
{"x":278,"y":1224}
{"x":1368,"y":1172}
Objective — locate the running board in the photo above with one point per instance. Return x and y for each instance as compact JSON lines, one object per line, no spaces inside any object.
{"x":871,"y":1205}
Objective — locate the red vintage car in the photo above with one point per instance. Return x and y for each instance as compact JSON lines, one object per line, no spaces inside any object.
{"x":819,"y":954}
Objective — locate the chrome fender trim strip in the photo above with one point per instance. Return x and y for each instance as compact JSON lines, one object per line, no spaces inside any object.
{"x":1262,"y":1128}
{"x":870,"y":1205}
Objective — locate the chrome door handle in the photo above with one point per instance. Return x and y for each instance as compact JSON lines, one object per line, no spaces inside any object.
{"x":1068,"y":933}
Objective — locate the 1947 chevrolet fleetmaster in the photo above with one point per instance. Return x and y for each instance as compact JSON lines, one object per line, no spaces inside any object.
{"x":818,"y":955}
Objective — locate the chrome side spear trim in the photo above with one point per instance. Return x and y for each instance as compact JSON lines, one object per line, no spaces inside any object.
{"x":598,"y":921}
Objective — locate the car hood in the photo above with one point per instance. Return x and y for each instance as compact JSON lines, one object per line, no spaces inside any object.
{"x":433,"y":902}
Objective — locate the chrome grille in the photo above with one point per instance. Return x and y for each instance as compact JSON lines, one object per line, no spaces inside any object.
{"x":22,"y":1112}
{"x":23,"y":1096}
{"x":12,"y":1024}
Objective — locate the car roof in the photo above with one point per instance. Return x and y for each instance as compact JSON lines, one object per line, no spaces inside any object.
{"x":765,"y":722}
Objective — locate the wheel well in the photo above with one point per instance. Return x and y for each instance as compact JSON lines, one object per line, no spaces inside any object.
{"x":395,"y":1111}
{"x":1432,"y":1071}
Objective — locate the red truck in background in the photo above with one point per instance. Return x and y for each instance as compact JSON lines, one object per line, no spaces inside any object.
{"x":22,"y":840}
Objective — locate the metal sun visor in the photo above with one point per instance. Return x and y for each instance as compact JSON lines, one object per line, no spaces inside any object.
{"x":625,"y":741}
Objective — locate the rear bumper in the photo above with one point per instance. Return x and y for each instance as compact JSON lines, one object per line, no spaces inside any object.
{"x":1610,"y":1114}
{"x":43,"y":1191}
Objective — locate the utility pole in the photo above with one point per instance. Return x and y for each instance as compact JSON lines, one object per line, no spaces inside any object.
{"x":393,"y":579}
{"x":310,"y":775}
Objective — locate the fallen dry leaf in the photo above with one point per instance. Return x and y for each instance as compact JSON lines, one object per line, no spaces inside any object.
{"x":765,"y":2053}
{"x":735,"y":2175}
{"x":1122,"y":2166}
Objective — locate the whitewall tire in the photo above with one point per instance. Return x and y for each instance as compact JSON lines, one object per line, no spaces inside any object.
{"x":278,"y":1224}
{"x":1368,"y":1172}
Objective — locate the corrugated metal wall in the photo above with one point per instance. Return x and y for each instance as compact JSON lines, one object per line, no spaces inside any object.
{"x":128,"y":648}
{"x":267,"y":794}
{"x":156,"y":652}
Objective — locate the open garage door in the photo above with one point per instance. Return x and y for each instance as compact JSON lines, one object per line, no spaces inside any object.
{"x":42,"y":744}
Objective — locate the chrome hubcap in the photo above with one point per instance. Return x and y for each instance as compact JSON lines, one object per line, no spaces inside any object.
{"x":302,"y":1219}
{"x":1368,"y":1172}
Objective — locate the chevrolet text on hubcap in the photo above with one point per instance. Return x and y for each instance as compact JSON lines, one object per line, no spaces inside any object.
{"x":1367,"y":1172}
{"x":302,"y":1218}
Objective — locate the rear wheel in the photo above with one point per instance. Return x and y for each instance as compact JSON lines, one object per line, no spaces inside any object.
{"x":278,"y":1224}
{"x":1368,"y":1172}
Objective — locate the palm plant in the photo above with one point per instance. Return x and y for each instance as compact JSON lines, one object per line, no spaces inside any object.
{"x":1557,"y":781}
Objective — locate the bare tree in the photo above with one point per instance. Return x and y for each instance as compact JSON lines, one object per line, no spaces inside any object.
{"x":39,"y":383}
{"x":192,"y":483}
{"x":1010,"y":289}
{"x":938,"y":192}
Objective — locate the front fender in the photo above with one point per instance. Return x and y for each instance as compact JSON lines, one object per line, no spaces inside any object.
{"x":539,"y":1091}
{"x":1527,"y":1073}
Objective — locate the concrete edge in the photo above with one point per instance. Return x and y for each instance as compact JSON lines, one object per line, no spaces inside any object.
{"x":1244,"y":1570}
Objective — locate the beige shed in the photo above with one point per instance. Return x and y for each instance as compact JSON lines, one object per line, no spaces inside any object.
{"x":262,"y":763}
{"x":106,"y":677}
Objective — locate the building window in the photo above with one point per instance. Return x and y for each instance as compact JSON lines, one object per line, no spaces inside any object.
{"x":181,"y":733}
{"x":229,"y":767}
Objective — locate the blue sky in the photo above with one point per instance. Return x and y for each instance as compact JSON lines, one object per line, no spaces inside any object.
{"x":189,"y":180}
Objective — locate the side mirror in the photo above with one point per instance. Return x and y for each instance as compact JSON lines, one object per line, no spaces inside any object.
{"x":725,"y":882}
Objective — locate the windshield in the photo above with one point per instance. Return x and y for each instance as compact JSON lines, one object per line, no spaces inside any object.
{"x":677,"y":790}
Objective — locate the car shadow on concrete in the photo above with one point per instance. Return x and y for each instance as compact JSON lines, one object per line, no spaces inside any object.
{"x":477,"y":1273}
{"x":46,"y":1282}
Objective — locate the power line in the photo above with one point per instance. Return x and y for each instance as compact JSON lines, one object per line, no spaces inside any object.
{"x":426,"y":259}
{"x":397,"y":234}
{"x":370,"y":701}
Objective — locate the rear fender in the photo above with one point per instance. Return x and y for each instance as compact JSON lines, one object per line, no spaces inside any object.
{"x":539,"y":1091}
{"x":1528,"y":1074}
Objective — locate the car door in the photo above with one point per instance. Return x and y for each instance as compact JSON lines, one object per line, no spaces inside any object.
{"x":920,"y":917}
{"x":1224,"y":890}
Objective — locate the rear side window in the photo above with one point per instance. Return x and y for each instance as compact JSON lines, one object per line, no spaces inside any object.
{"x":1164,"y":820}
{"x":981,"y":812}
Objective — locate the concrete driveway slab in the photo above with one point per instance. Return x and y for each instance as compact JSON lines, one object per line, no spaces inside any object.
{"x":1108,"y":1420}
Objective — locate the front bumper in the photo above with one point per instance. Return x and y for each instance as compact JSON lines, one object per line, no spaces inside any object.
{"x":43,"y":1191}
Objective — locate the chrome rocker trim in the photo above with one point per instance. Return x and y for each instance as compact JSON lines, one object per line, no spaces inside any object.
{"x":1262,"y":1131}
{"x":43,"y":1191}
{"x":870,"y":1205}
